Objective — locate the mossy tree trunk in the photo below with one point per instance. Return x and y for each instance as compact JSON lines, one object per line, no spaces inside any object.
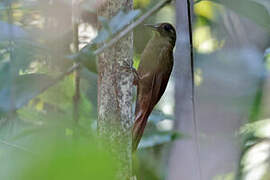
{"x":115,"y":93}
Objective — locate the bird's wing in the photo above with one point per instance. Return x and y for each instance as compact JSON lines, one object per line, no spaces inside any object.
{"x":142,"y":111}
{"x":160,"y":84}
{"x":148,"y":94}
{"x":145,"y":104}
{"x":162,"y":76}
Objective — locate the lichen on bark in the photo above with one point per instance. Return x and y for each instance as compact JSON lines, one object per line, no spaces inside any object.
{"x":115,"y":93}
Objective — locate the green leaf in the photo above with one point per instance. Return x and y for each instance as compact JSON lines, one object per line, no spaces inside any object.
{"x":264,"y":3}
{"x":122,"y":19}
{"x":118,"y":22}
{"x":260,"y":12}
{"x":86,"y":57}
{"x":57,"y":158}
{"x":25,"y":87}
{"x":24,"y":52}
{"x":11,"y":30}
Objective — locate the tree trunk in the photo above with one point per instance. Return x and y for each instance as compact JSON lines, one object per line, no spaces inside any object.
{"x":115,"y":94}
{"x":184,"y":162}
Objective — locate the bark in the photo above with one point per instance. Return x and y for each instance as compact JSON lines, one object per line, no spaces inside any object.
{"x":184,"y":161}
{"x":76,"y":96}
{"x":115,"y":93}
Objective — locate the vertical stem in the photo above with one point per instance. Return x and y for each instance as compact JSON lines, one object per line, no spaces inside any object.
{"x":196,"y":129}
{"x":11,"y":57}
{"x":76,"y":97}
{"x":184,"y":162}
{"x":115,"y":94}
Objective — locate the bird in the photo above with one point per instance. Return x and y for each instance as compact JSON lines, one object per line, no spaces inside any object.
{"x":152,"y":75}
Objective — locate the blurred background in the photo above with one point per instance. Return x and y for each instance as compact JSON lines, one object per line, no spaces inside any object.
{"x":38,"y":136}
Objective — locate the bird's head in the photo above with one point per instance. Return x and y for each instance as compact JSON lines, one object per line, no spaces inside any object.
{"x":165,"y":30}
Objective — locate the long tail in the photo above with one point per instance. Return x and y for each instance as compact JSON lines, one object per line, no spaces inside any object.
{"x":138,"y":128}
{"x":144,"y":107}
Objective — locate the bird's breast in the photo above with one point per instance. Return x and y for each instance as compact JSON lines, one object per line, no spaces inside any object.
{"x":157,"y":56}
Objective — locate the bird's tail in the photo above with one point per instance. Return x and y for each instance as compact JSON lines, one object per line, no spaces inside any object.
{"x":138,"y":128}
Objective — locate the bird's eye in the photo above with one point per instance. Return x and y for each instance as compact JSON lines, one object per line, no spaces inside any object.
{"x":167,"y":27}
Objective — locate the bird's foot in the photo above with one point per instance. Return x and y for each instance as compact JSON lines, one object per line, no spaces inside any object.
{"x":129,"y":67}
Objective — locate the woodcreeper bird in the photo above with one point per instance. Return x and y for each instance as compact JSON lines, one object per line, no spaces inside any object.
{"x":152,"y":75}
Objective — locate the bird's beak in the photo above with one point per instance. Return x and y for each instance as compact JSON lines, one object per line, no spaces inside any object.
{"x":153,"y":26}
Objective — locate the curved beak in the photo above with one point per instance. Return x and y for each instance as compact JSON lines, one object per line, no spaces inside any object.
{"x":153,"y":26}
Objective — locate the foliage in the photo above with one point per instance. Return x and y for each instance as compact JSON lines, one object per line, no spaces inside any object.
{"x":25,"y":88}
{"x":225,"y":33}
{"x":260,"y":9}
{"x":38,"y":137}
{"x":58,"y":158}
{"x":36,"y":99}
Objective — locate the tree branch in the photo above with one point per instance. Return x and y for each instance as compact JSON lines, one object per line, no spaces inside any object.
{"x":16,"y":146}
{"x":119,"y":36}
{"x":130,"y":27}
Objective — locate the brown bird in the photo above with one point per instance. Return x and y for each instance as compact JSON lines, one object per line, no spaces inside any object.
{"x":152,"y":75}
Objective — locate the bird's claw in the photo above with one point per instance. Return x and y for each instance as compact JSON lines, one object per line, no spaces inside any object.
{"x":129,"y":67}
{"x":136,"y":77}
